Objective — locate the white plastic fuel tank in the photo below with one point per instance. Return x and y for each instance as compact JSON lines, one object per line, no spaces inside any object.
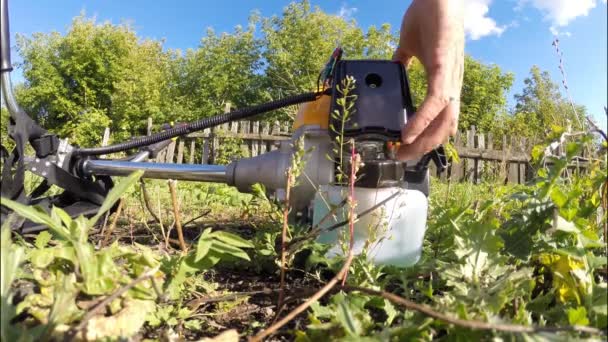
{"x":393,"y":233}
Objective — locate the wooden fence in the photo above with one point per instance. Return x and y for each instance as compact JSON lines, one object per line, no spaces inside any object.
{"x":481,"y":156}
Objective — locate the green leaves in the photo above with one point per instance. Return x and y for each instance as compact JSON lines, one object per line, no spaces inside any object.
{"x":38,"y":215}
{"x":115,"y":194}
{"x":223,"y":243}
{"x":578,"y":316}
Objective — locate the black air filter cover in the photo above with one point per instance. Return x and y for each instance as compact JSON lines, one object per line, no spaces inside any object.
{"x":383,"y":100}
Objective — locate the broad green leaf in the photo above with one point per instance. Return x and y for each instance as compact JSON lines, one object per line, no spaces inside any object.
{"x":224,"y":248}
{"x":559,"y":197}
{"x":347,"y":319}
{"x":578,"y":316}
{"x":36,"y":216}
{"x":115,"y":194}
{"x":203,"y":244}
{"x":232,"y":239}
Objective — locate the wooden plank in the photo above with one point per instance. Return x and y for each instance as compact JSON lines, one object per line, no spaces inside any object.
{"x":180,"y":151}
{"x":206,"y":151}
{"x":479,"y":163}
{"x":521,"y":172}
{"x":490,"y":142}
{"x":192,"y":148}
{"x":513,"y":166}
{"x":215,"y":144}
{"x":456,"y":169}
{"x":160,"y":157}
{"x":265,"y":131}
{"x":470,"y":162}
{"x":170,"y":152}
{"x":149,"y":126}
{"x":243,"y":129}
{"x":276,"y":128}
{"x":494,"y":155}
{"x":255,"y":144}
{"x":106,"y":137}
{"x":504,"y":166}
{"x":234,"y":127}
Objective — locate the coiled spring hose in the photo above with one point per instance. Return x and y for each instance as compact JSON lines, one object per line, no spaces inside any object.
{"x":201,"y":124}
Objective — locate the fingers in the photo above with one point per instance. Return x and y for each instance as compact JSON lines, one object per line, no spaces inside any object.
{"x":436,"y":133}
{"x":401,"y":56}
{"x":428,"y":111}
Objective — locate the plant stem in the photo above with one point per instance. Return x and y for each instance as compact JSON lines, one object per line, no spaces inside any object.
{"x":273,"y":328}
{"x":351,"y":204}
{"x":471,"y":324}
{"x":178,"y":223}
{"x":146,"y":198}
{"x":284,"y":238}
{"x":108,"y":232}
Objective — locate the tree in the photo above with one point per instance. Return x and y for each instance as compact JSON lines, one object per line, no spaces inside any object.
{"x":541,"y":105}
{"x":225,"y":68}
{"x":484,"y":94}
{"x":298,"y":44}
{"x":96,"y":75}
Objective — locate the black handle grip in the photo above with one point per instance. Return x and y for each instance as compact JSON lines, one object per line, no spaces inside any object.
{"x":5,"y":38}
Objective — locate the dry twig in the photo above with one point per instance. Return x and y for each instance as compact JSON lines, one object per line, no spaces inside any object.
{"x":107,"y":233}
{"x":178,"y":224}
{"x":146,"y":201}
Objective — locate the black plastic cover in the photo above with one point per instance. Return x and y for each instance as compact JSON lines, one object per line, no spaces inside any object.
{"x":383,"y":101}
{"x":380,"y":174}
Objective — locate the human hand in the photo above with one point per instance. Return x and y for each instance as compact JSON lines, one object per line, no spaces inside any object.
{"x":433,"y":32}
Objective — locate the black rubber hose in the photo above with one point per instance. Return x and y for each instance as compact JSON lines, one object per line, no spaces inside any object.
{"x":201,"y":124}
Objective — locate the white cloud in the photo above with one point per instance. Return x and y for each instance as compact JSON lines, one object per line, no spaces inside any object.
{"x":346,"y":12}
{"x":560,"y":12}
{"x":477,"y":23}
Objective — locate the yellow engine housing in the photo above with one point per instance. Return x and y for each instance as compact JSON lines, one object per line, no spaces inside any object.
{"x":313,"y":113}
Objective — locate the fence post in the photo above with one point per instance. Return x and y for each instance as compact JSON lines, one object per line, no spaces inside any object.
{"x":170,"y":152}
{"x":207,"y":147}
{"x":522,"y":165}
{"x":244,"y":129}
{"x":149,"y":126}
{"x":106,"y":137}
{"x":470,"y":165}
{"x":456,"y":168}
{"x":513,"y":167}
{"x":255,"y":144}
{"x":276,"y":130}
{"x":264,"y":144}
{"x":192,"y":148}
{"x":180,"y":151}
{"x":479,"y":163}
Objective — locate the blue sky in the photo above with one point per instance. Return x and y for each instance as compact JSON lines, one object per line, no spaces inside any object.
{"x":515,"y":34}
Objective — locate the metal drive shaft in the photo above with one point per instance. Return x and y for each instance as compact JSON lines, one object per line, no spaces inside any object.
{"x":190,"y":172}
